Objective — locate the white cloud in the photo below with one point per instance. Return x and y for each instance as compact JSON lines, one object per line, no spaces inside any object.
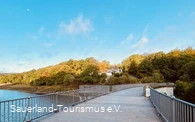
{"x":48,"y":35}
{"x":192,"y":14}
{"x":142,"y":42}
{"x":78,"y":25}
{"x":34,"y":37}
{"x":38,"y":33}
{"x":48,"y":44}
{"x":41,"y":30}
{"x":179,"y":14}
{"x":128,"y":39}
{"x":146,"y":28}
{"x":108,"y":19}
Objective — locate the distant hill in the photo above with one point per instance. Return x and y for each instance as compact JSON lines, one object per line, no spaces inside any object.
{"x":1,"y":74}
{"x":155,"y":67}
{"x":54,"y":75}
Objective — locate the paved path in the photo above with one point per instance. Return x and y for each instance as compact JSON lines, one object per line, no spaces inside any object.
{"x":133,"y":107}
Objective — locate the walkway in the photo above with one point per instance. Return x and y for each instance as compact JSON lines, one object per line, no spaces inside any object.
{"x":133,"y":107}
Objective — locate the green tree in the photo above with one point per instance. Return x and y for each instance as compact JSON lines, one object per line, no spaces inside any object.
{"x":133,"y":68}
{"x":113,"y":81}
{"x":189,"y":69}
{"x":181,"y":89}
{"x":90,"y":74}
{"x":190,"y":93}
{"x":68,"y":78}
{"x":102,"y":78}
{"x":133,"y":58}
{"x":145,"y":68}
{"x":157,"y":76}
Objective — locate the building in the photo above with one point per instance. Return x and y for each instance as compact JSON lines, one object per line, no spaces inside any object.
{"x":112,"y":70}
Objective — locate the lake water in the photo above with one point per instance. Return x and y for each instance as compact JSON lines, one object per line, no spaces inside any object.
{"x":11,"y":94}
{"x":6,"y":115}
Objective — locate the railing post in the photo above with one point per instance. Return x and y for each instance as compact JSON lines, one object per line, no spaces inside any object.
{"x":29,"y":119}
{"x":56,"y":97}
{"x":173,"y":109}
{"x":159,"y":101}
{"x":73,"y":98}
{"x":85,"y":97}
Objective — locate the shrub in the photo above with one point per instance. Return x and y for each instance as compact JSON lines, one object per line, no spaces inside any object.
{"x":113,"y":81}
{"x":90,"y":74}
{"x":68,"y":78}
{"x":103,"y":77}
{"x":128,"y":79}
{"x":37,"y":82}
{"x":185,"y":77}
{"x":124,"y":79}
{"x":147,"y":79}
{"x":190,"y":93}
{"x":89,"y":79}
{"x":116,"y":74}
{"x":185,"y":90}
{"x":180,"y":89}
{"x":156,"y":77}
{"x":133,"y":79}
{"x":189,"y":69}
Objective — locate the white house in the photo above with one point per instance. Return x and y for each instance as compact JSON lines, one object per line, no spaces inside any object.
{"x":112,"y":70}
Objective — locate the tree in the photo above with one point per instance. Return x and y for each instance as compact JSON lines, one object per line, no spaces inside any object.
{"x":190,"y":93}
{"x":157,"y":77}
{"x":133,"y":58}
{"x":185,"y":77}
{"x":102,"y":78}
{"x":188,"y":69}
{"x":145,"y":68}
{"x":113,"y":81}
{"x":102,"y":66}
{"x":133,"y":68}
{"x":90,"y":74}
{"x":92,"y":60}
{"x":68,"y":78}
{"x":180,"y":89}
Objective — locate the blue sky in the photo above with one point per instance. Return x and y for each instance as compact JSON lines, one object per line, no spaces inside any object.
{"x":38,"y":33}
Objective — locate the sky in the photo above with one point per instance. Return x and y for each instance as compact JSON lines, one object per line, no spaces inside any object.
{"x":38,"y":33}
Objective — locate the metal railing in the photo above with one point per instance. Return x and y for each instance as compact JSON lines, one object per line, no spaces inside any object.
{"x":154,"y":85}
{"x":172,"y":109}
{"x":111,"y":88}
{"x":31,"y":108}
{"x":99,"y":88}
{"x":124,"y":86}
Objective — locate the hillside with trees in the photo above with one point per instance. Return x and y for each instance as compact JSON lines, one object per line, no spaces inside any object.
{"x":176,"y":66}
{"x":77,"y":71}
{"x":172,"y":66}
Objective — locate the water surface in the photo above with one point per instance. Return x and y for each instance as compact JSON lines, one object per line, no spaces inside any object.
{"x":11,"y":94}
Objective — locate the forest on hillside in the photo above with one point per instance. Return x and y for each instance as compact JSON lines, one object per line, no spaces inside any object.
{"x":176,"y":66}
{"x":62,"y":73}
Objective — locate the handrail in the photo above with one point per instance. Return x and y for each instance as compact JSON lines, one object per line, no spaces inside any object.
{"x":172,"y":109}
{"x":182,"y":101}
{"x":124,"y":86}
{"x":25,"y":115}
{"x":65,"y":98}
{"x":70,"y":98}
